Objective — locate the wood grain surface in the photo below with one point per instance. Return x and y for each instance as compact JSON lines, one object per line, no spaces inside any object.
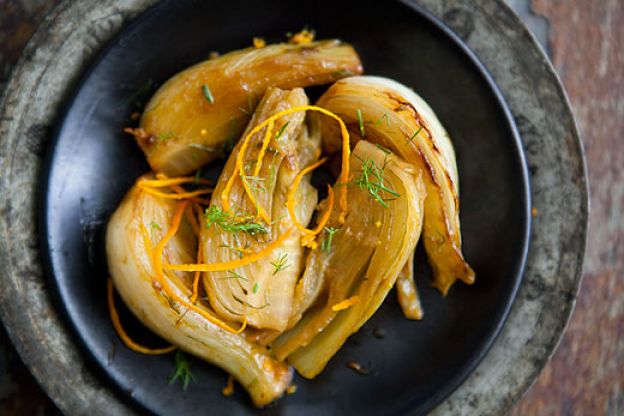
{"x":586,"y":374}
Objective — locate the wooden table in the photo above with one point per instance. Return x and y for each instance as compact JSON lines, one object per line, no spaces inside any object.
{"x":585,"y":40}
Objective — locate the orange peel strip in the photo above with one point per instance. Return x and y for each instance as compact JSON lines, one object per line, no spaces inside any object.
{"x":265,"y":145}
{"x":157,"y":255}
{"x":200,"y":255}
{"x":178,"y":196}
{"x":346,"y":304}
{"x":233,"y":264}
{"x":165,"y":182}
{"x":123,"y":335}
{"x":346,"y":152}
{"x":290,"y":200}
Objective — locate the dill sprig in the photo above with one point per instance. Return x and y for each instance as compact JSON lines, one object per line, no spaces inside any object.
{"x":208,"y":94}
{"x":280,"y":264}
{"x":371,"y":180}
{"x":236,"y":250}
{"x":256,"y":183}
{"x":154,"y":225}
{"x":166,"y":136}
{"x":234,"y":275}
{"x":255,"y":288}
{"x":281,"y":131}
{"x":383,"y":149}
{"x":360,"y":122}
{"x":326,"y":246}
{"x":228,"y":222}
{"x":244,"y":302}
{"x":380,"y":119}
{"x":414,"y":135}
{"x":181,"y":371}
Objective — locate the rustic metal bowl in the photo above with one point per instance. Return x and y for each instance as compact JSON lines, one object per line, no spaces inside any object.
{"x":74,"y":33}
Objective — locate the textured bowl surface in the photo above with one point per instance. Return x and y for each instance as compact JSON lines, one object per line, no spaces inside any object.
{"x":91,"y":165}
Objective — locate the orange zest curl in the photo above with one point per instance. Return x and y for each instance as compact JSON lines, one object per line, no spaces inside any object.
{"x":123,"y":335}
{"x":239,"y":169}
{"x":346,"y":304}
{"x":228,"y":390}
{"x":303,"y":37}
{"x":157,"y":257}
{"x":163,"y":181}
{"x":233,"y":264}
{"x":179,"y":196}
{"x":308,"y":239}
{"x":197,"y":277}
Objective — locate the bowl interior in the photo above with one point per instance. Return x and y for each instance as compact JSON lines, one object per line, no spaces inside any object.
{"x":91,"y":164}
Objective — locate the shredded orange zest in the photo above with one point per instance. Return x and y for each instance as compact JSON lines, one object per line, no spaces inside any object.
{"x":228,"y":390}
{"x":259,"y":43}
{"x":162,"y":183}
{"x":182,"y":195}
{"x":265,"y":144}
{"x":346,"y":151}
{"x":308,"y":240}
{"x":157,"y":255}
{"x":303,"y":37}
{"x":233,"y":264}
{"x":200,"y":255}
{"x":346,"y":304}
{"x":330,"y":206}
{"x":114,"y":316}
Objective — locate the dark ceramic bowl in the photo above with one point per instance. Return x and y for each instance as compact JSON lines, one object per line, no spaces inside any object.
{"x":91,"y":165}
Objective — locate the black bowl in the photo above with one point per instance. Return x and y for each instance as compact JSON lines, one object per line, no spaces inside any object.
{"x":91,"y":164}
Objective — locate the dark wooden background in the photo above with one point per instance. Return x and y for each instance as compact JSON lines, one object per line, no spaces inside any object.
{"x":585,"y":39}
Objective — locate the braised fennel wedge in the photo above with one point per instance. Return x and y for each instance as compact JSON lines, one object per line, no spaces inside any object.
{"x":360,"y":259}
{"x":255,"y":275}
{"x":383,"y":111}
{"x":163,"y":304}
{"x":261,"y":292}
{"x":192,"y":116}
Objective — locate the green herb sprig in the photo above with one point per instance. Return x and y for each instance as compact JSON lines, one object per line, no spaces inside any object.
{"x":208,"y":94}
{"x":233,"y":275}
{"x":360,"y":119}
{"x":281,"y":130}
{"x":327,"y":243}
{"x":228,"y":222}
{"x":280,"y":264}
{"x":181,"y":371}
{"x":414,"y":135}
{"x":371,"y":180}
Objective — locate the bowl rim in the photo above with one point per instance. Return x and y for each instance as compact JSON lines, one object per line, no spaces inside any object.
{"x":21,"y":279}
